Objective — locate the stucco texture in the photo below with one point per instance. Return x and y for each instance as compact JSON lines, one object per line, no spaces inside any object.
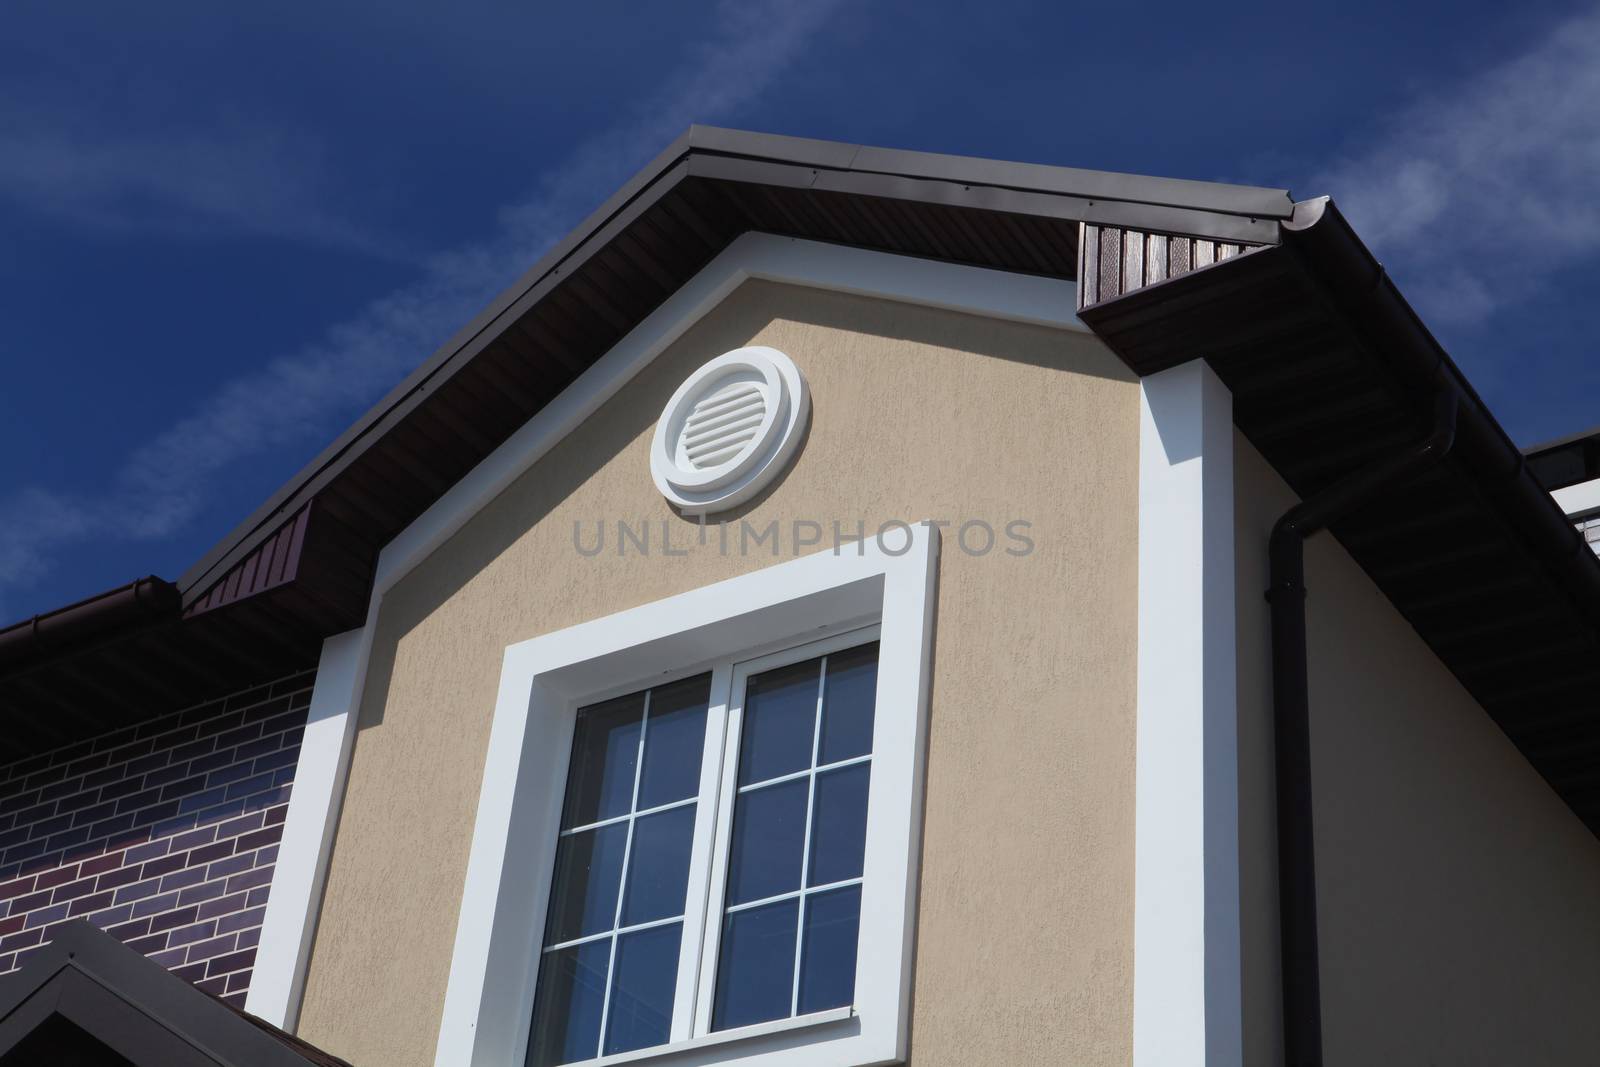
{"x":1024,"y":946}
{"x":1458,"y":898}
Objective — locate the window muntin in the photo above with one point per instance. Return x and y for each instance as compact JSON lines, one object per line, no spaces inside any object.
{"x":793,"y":900}
{"x":790,"y":903}
{"x":608,"y":972}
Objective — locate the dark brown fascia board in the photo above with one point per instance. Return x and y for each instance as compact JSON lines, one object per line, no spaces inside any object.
{"x":461,"y":347}
{"x":1582,"y":437}
{"x":1342,"y":283}
{"x":1336,"y":255}
{"x":1097,"y":185}
{"x":1569,"y":460}
{"x":1153,"y":218}
{"x":1354,"y":285}
{"x":145,"y":602}
{"x":1159,"y":204}
{"x":117,"y":1032}
{"x":95,"y":981}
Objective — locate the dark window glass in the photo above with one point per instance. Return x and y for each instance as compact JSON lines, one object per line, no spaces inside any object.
{"x":839,"y":824}
{"x":674,"y":742}
{"x":828,"y":949}
{"x":847,"y":704}
{"x":583,"y":896}
{"x":658,"y":867}
{"x":645,"y":858}
{"x":572,"y":985}
{"x":785,"y":731}
{"x":779,"y":723}
{"x":755,"y":975}
{"x":769,"y":828}
{"x":646,"y":977}
{"x":605,"y":748}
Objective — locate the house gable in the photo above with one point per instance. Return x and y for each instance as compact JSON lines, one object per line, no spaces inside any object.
{"x":965,"y":389}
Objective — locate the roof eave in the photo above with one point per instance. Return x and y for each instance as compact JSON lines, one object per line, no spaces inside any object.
{"x":1240,"y":213}
{"x":145,"y":1012}
{"x":1331,"y":367}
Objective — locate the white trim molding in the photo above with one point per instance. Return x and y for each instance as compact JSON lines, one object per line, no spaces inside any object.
{"x":289,"y":926}
{"x":881,"y":275}
{"x":489,"y":999}
{"x":1187,"y":994}
{"x":1580,"y":499}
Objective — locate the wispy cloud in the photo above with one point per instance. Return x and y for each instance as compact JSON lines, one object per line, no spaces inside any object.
{"x":303,"y":396}
{"x":1478,"y":193}
{"x":240,"y":178}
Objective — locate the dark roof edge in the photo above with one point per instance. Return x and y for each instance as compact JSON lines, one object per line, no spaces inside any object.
{"x":1579,"y":438}
{"x":1332,"y":252}
{"x":1099,"y":185}
{"x":1566,"y":461}
{"x":140,"y":603}
{"x":1153,"y":203}
{"x":287,"y":498}
{"x":196,"y":1018}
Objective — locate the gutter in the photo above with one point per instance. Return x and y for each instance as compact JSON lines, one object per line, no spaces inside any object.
{"x":1356,"y":285}
{"x":1291,"y":709}
{"x":1343,"y":297}
{"x":141,"y":603}
{"x":1329,"y":250}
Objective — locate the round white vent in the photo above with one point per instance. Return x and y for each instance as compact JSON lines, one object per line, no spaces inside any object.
{"x":729,"y":430}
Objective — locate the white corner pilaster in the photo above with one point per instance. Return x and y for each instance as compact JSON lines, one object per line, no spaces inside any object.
{"x":1186,"y":977}
{"x":295,"y":901}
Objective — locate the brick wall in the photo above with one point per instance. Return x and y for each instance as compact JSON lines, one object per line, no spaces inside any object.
{"x":163,"y":834}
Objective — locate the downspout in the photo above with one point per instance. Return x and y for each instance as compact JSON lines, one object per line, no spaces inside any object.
{"x":1297,"y":883}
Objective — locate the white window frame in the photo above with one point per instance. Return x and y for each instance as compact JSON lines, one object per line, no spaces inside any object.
{"x":724,"y":792}
{"x":887,"y":583}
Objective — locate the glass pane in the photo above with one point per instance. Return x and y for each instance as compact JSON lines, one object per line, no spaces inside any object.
{"x":780,"y":716}
{"x":828,"y":949}
{"x":583,"y":894}
{"x":847,"y":703}
{"x":605,"y":747}
{"x":839,"y":824}
{"x":658,"y":867}
{"x":566,"y":1019}
{"x":755,"y":974}
{"x":673,"y":742}
{"x":642,"y":989}
{"x":769,"y":828}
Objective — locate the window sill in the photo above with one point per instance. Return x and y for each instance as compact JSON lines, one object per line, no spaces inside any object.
{"x":669,"y":1052}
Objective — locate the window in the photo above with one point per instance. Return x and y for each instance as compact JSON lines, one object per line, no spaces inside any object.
{"x":616,"y":911}
{"x":791,"y":835}
{"x":696,"y":837}
{"x":792,"y":898}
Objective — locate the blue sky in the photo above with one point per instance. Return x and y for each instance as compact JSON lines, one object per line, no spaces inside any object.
{"x":225,"y":230}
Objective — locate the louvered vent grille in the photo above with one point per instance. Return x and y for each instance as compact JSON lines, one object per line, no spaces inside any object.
{"x":729,"y":429}
{"x":721,"y":423}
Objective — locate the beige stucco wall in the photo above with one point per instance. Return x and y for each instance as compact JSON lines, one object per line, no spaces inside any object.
{"x":1459,"y":899}
{"x":1024,"y":948}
